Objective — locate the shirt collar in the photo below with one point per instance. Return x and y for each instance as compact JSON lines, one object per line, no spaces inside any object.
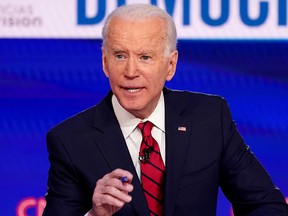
{"x":129,"y":122}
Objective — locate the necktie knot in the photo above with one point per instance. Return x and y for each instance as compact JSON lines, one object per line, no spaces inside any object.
{"x":146,"y":128}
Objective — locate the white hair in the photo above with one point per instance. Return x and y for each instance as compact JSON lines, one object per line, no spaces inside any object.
{"x":140,"y":12}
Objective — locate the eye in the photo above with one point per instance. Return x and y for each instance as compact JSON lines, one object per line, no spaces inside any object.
{"x":119,"y":57}
{"x":145,"y":57}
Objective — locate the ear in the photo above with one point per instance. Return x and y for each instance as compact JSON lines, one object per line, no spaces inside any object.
{"x":173,"y":58}
{"x":104,"y":62}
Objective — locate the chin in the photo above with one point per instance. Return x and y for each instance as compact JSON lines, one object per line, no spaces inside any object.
{"x":134,"y":110}
{"x":131,"y":104}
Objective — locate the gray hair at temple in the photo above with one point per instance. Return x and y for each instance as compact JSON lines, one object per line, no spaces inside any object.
{"x":140,"y":12}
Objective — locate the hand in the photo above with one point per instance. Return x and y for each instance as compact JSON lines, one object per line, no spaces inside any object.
{"x":110,"y":193}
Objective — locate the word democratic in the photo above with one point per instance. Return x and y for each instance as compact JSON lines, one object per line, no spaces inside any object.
{"x":264,"y":8}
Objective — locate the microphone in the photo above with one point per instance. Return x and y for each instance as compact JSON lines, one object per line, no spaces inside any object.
{"x":146,"y":155}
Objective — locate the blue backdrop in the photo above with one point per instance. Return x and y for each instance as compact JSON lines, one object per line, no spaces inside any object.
{"x":43,"y":81}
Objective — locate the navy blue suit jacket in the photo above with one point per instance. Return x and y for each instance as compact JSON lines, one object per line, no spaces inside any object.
{"x":209,"y":154}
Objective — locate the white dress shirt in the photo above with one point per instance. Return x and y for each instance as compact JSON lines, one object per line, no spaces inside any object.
{"x":133,"y":137}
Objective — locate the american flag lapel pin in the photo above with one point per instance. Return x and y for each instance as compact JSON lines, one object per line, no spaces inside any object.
{"x":181,"y":128}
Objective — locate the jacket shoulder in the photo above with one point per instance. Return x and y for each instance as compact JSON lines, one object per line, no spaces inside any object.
{"x":189,"y":97}
{"x":86,"y":118}
{"x":76,"y":122}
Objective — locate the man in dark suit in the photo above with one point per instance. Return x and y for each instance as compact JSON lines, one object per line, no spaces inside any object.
{"x":94,"y":155}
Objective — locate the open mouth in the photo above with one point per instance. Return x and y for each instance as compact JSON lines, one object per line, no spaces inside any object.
{"x":133,"y":90}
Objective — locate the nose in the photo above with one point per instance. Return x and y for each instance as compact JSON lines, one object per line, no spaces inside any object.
{"x":131,"y":70}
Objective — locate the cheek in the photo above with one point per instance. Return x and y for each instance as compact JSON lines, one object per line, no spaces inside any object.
{"x":164,"y":75}
{"x":113,"y":80}
{"x":112,"y":71}
{"x":157,"y":82}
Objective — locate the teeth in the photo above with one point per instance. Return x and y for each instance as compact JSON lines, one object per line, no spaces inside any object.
{"x":133,"y":90}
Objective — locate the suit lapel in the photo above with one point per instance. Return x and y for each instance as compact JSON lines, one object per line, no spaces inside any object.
{"x":113,"y":147}
{"x":177,"y":138}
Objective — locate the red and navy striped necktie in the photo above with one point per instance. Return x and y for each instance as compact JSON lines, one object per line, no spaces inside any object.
{"x":152,"y":169}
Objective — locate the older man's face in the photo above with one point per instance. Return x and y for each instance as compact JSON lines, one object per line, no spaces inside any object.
{"x":134,"y":60}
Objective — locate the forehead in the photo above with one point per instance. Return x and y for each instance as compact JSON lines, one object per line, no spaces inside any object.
{"x":137,"y":33}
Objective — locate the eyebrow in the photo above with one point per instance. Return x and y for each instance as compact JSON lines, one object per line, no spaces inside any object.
{"x":117,"y":50}
{"x":145,"y":52}
{"x":140,"y":52}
